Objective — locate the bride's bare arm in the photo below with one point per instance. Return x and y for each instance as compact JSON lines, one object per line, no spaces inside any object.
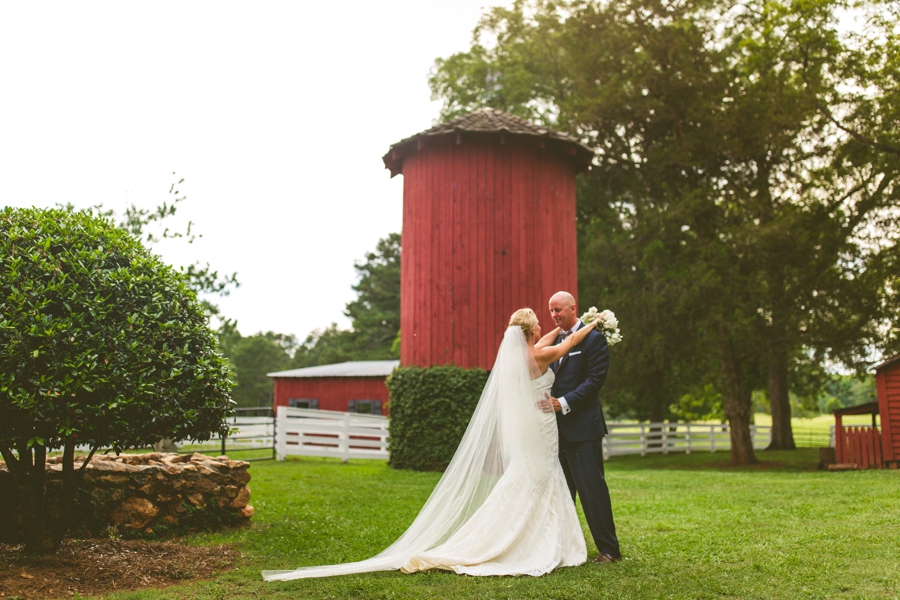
{"x":545,"y":356}
{"x":547,"y":339}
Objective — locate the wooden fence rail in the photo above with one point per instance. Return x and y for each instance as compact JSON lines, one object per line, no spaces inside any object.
{"x":307,"y":432}
{"x":348,"y":435}
{"x":663,"y":438}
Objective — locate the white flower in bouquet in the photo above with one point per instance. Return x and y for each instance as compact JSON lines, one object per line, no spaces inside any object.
{"x":608,"y":324}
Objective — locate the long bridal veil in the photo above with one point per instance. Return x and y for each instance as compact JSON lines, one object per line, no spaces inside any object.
{"x":499,"y":439}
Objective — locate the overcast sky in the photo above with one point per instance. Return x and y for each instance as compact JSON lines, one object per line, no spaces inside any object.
{"x":276,"y":114}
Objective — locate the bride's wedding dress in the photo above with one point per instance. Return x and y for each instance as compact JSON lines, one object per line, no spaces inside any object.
{"x":502,"y":506}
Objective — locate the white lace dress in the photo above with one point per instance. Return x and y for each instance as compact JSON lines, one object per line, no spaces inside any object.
{"x":502,"y":506}
{"x":528,"y":524}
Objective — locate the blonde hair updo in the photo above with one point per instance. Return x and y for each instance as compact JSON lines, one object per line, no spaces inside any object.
{"x":526,"y":319}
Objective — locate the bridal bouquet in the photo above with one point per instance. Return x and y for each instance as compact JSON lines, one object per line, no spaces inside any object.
{"x":609,"y":325}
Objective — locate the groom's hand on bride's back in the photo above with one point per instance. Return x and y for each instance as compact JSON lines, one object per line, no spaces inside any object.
{"x":549,"y":405}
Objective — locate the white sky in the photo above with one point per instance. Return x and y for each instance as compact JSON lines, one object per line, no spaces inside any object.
{"x":276,"y":114}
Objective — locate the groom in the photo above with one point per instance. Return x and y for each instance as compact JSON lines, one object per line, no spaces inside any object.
{"x":576,"y":399}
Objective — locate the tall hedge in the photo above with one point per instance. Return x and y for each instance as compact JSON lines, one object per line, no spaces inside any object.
{"x":430,"y":410}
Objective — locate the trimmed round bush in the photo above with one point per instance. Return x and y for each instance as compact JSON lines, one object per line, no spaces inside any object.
{"x":100,"y":344}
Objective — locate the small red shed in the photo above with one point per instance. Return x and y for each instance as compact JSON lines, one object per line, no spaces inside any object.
{"x":871,"y":447}
{"x":887,"y":382}
{"x":356,"y":386}
{"x":858,"y":445}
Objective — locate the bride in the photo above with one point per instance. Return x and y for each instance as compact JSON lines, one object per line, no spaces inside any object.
{"x":502,"y":507}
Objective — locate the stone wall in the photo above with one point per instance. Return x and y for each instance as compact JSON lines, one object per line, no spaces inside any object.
{"x":143,"y":494}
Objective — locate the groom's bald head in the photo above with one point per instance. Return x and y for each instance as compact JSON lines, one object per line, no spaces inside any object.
{"x":562,"y":309}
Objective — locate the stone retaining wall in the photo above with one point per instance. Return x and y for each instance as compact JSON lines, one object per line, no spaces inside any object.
{"x":143,"y":494}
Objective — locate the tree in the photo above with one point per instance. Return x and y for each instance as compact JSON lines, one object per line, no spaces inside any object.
{"x":100,"y":344}
{"x":376,"y":311}
{"x":143,"y":224}
{"x":744,"y":180}
{"x":252,"y":358}
{"x":375,"y":314}
{"x":140,"y":223}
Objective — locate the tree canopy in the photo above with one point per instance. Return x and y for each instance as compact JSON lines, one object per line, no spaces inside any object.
{"x":741,"y":213}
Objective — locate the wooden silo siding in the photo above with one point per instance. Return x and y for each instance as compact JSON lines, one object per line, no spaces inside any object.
{"x":488,"y":228}
{"x":333,"y":393}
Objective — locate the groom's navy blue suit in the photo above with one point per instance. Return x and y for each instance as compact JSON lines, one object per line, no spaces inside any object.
{"x":579,"y":376}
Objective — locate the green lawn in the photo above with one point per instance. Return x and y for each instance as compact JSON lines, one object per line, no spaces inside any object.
{"x":690,"y":527}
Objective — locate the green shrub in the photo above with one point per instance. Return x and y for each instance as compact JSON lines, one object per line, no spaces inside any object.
{"x":100,"y":344}
{"x":430,"y":409}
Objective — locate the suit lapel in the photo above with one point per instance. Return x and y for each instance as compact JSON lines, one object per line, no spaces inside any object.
{"x":562,"y":361}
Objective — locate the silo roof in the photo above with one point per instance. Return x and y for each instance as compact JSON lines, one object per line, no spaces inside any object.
{"x":487,"y":120}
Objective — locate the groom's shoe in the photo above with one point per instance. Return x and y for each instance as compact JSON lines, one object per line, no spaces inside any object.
{"x":604,"y":558}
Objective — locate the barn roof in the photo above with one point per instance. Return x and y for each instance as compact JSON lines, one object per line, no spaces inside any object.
{"x":486,"y":120}
{"x":888,"y":363}
{"x":355,"y":368}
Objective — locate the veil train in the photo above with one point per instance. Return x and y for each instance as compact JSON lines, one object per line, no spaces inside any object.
{"x":499,"y":438}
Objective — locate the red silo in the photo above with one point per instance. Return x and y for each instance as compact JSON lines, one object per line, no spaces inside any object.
{"x":488,"y":227}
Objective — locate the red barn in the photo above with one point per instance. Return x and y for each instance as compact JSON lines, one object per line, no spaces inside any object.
{"x":357,"y":386}
{"x":488,"y":227}
{"x":887,"y":382}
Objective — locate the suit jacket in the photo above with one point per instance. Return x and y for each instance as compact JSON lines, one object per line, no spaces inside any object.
{"x":579,"y":376}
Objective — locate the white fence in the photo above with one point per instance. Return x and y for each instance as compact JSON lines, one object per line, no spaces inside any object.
{"x":307,"y":432}
{"x":662,"y":438}
{"x":343,"y":435}
{"x":247,"y":433}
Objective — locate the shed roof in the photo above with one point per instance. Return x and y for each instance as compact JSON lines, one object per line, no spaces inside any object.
{"x":869,"y":408}
{"x":355,"y":368}
{"x":486,"y":120}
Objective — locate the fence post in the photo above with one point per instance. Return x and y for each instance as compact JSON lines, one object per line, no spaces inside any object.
{"x":664,"y":427}
{"x":712,"y":438}
{"x":280,"y":428}
{"x":344,"y":437}
{"x":643,"y":441}
{"x":687,"y":438}
{"x":274,"y":436}
{"x":605,"y":446}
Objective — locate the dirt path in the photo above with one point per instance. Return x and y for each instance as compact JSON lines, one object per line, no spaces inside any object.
{"x":99,"y":566}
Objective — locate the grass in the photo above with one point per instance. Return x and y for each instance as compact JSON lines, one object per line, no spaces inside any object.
{"x":690,"y":526}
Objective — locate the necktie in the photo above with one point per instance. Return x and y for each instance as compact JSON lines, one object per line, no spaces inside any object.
{"x":563,"y":335}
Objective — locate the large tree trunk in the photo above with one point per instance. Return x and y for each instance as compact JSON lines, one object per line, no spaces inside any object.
{"x":780,"y":402}
{"x":657,"y":413}
{"x":738,"y":406}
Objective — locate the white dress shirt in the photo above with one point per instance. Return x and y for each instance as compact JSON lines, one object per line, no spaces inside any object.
{"x":564,"y":406}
